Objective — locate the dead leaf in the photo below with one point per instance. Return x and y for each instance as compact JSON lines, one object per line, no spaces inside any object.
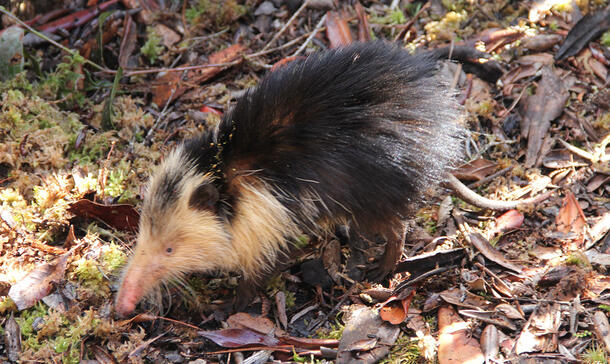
{"x":490,"y":342}
{"x":541,"y":42}
{"x":475,"y":170}
{"x":262,"y":325}
{"x":169,"y":86}
{"x":541,"y":108}
{"x":168,"y":36}
{"x":280,"y":304}
{"x":460,"y":298}
{"x":12,"y":339}
{"x":455,"y":343}
{"x":602,"y":328}
{"x":491,"y":253}
{"x":584,"y":31}
{"x":510,"y":220}
{"x":128,"y":42}
{"x":394,"y":312}
{"x":39,"y":282}
{"x":122,"y":217}
{"x":570,"y":217}
{"x":363,"y":323}
{"x":234,"y":338}
{"x":540,"y":332}
{"x":364,"y":31}
{"x":337,"y":29}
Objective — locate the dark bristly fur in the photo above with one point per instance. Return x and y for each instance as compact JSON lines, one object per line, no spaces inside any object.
{"x":351,"y":135}
{"x":367,"y":127}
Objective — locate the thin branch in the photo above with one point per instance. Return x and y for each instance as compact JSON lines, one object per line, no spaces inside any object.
{"x":313,"y":34}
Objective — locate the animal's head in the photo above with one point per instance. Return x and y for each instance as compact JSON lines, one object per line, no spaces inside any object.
{"x":180,"y":231}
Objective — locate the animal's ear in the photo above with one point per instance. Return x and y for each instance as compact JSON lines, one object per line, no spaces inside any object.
{"x":204,"y":197}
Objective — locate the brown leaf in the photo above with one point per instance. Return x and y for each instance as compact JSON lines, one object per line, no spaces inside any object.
{"x":168,"y":36}
{"x":337,"y":29}
{"x":510,"y":220}
{"x":364,"y":31}
{"x":490,"y":342}
{"x":475,"y":170}
{"x":455,"y":343}
{"x":491,"y":253}
{"x":38,"y":283}
{"x":540,"y":333}
{"x":280,"y":304}
{"x":234,"y":338}
{"x":541,"y":42}
{"x":76,"y":19}
{"x":543,"y":107}
{"x":459,"y":298}
{"x":363,"y":323}
{"x":120,"y":216}
{"x":584,"y":31}
{"x":602,"y":328}
{"x":262,"y":325}
{"x":393,"y":312}
{"x":128,"y":42}
{"x":12,"y":339}
{"x":570,"y":217}
{"x":395,"y":309}
{"x":169,"y":86}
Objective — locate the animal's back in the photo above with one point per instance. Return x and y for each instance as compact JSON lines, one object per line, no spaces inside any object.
{"x":354,"y":133}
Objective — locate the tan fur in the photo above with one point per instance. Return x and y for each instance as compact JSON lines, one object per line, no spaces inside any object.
{"x":261,"y":228}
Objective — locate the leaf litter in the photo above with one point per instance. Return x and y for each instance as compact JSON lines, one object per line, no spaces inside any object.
{"x":530,"y":283}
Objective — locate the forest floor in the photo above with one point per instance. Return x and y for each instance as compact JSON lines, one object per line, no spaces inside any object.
{"x":78,"y":139}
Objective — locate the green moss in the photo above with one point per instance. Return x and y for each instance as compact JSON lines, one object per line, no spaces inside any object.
{"x":152,"y":48}
{"x":452,"y":5}
{"x":86,"y":271}
{"x":427,"y":218}
{"x":445,"y":28}
{"x":578,"y":259}
{"x":404,"y":351}
{"x":393,"y":18}
{"x":26,"y":321}
{"x":91,"y":152}
{"x":7,"y":305}
{"x":604,"y":307}
{"x":113,"y":258}
{"x":276,"y":284}
{"x":595,"y":355}
{"x":605,"y":39}
{"x":335,"y":331}
{"x":65,"y":82}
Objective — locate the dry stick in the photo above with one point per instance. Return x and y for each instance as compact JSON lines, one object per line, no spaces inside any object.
{"x":41,"y":35}
{"x":466,"y":194}
{"x":313,"y":34}
{"x":294,"y":16}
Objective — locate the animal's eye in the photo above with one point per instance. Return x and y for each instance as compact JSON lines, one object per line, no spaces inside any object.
{"x":169,"y":250}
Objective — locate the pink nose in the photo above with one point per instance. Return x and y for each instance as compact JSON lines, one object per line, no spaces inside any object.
{"x":124,"y":307}
{"x":129,"y":295}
